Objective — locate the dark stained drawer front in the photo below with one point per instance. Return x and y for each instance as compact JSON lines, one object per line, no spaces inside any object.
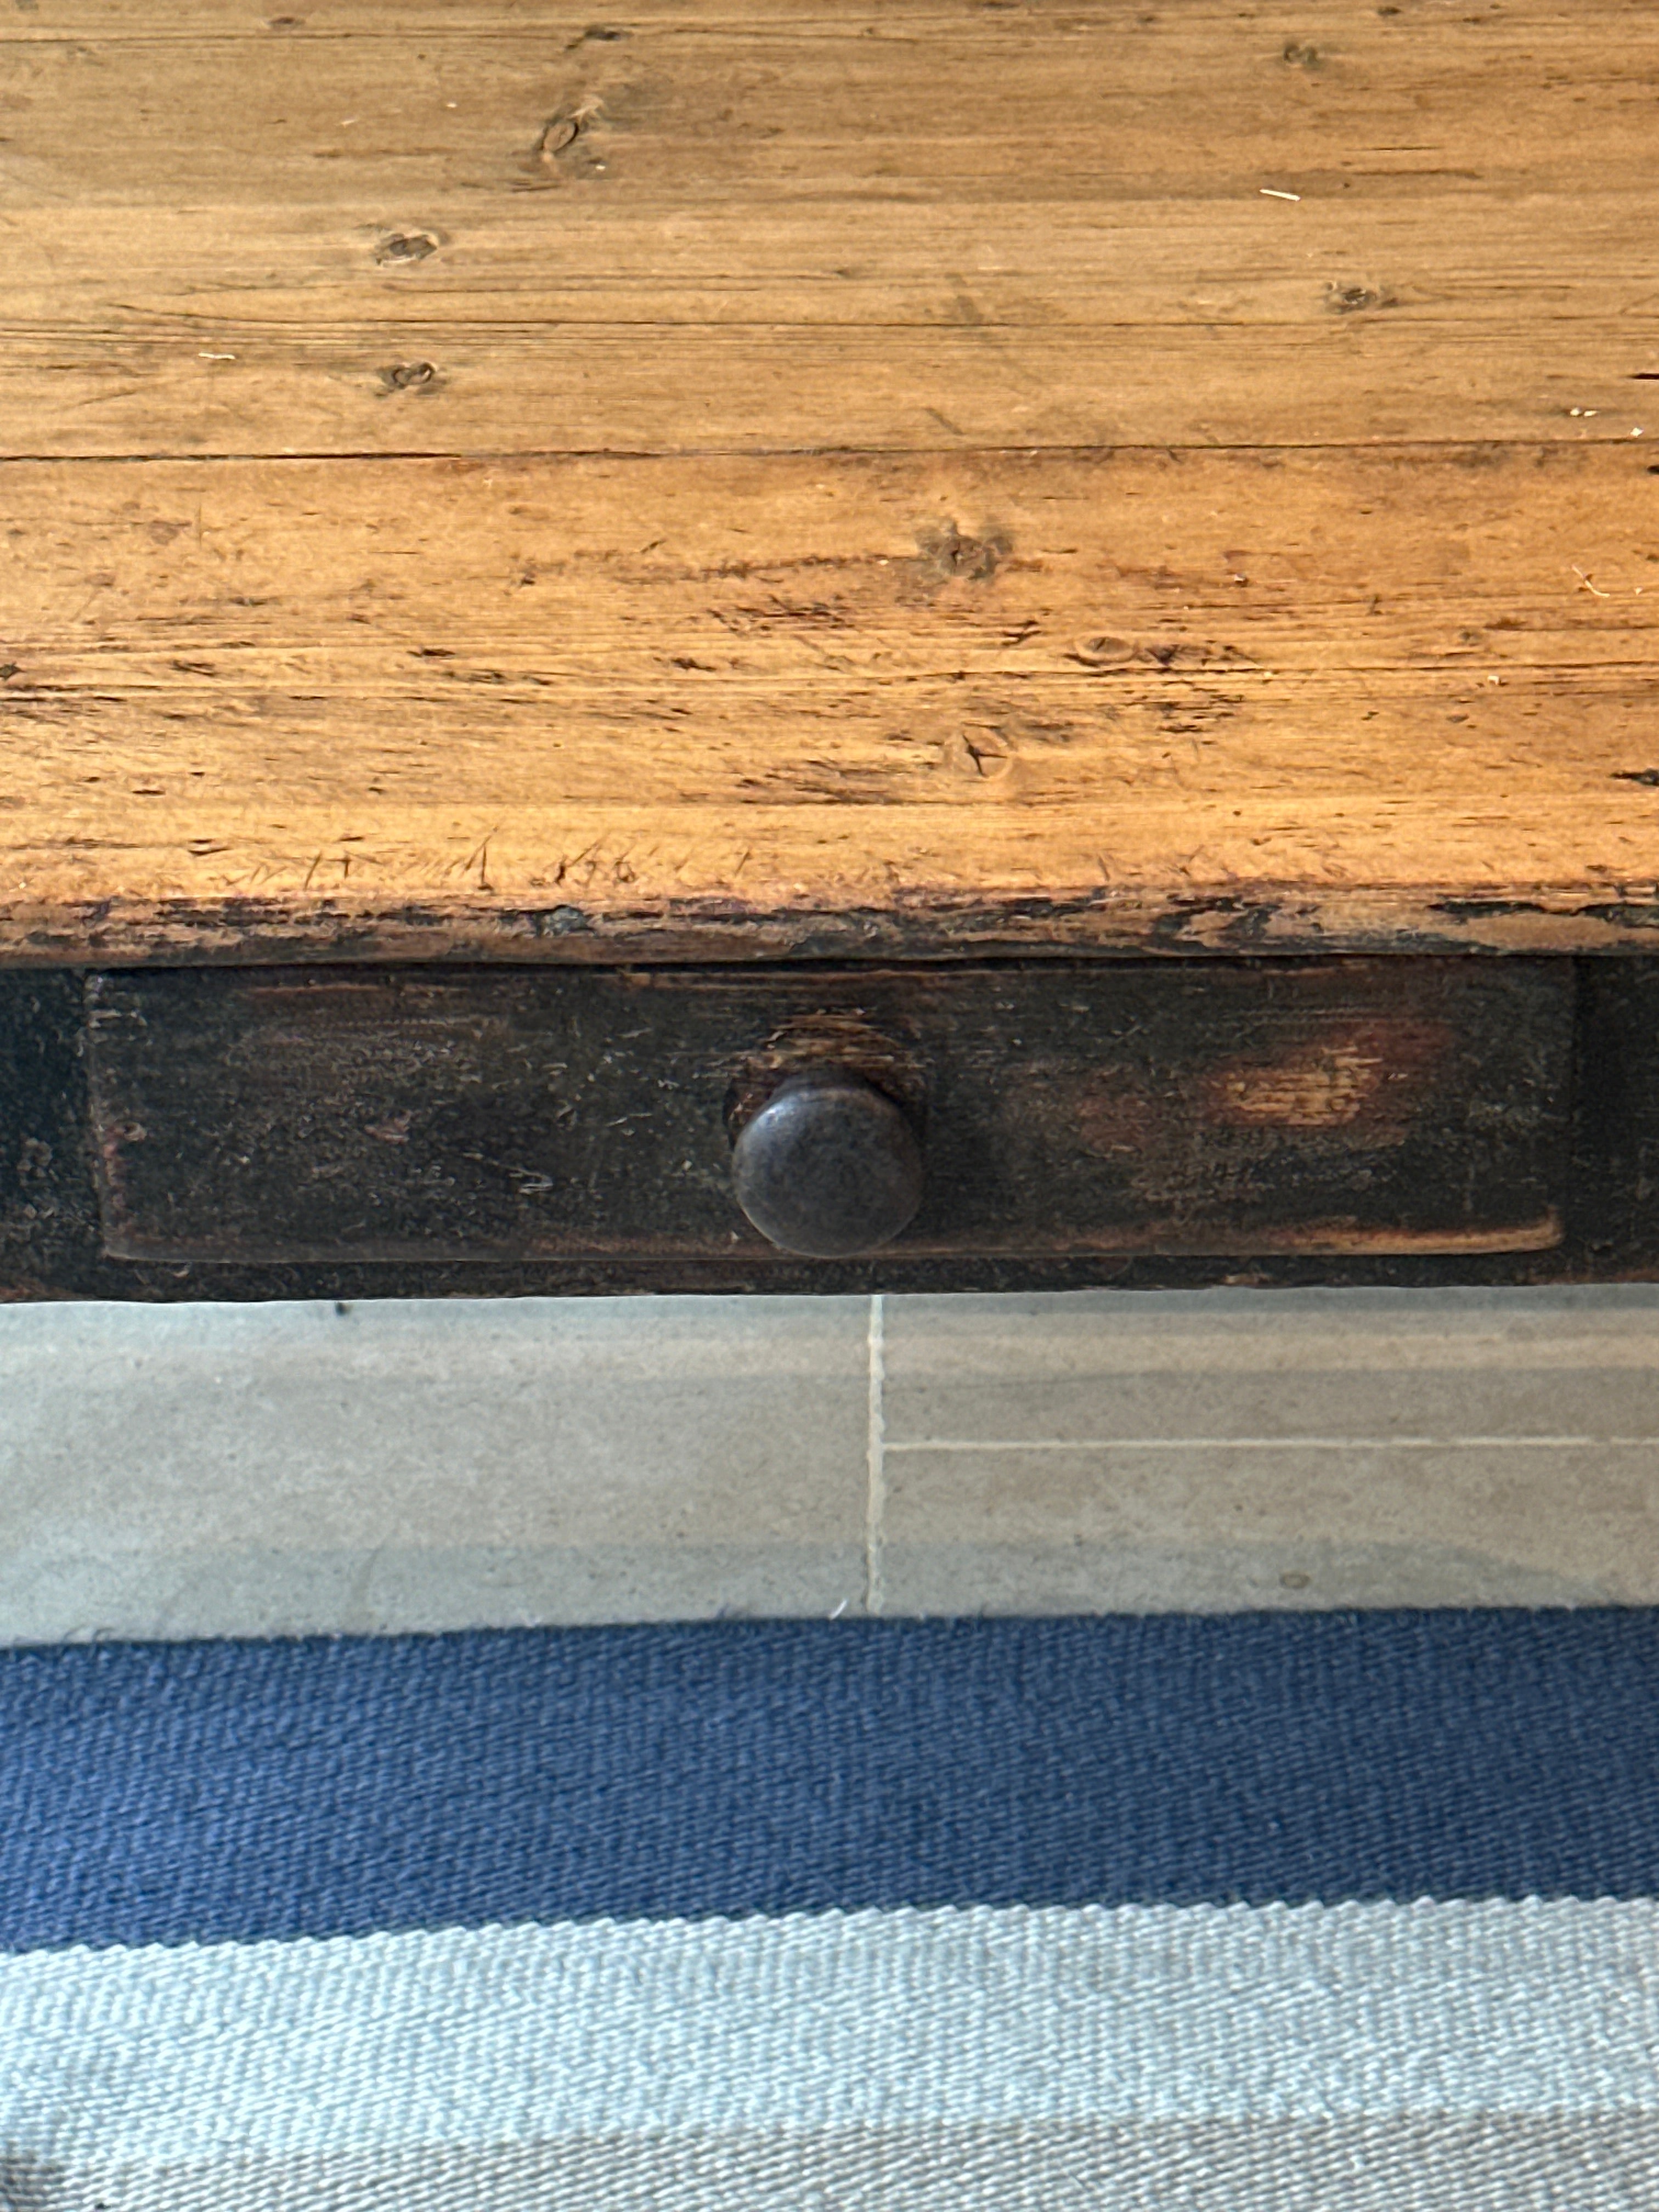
{"x":1352,"y":1106}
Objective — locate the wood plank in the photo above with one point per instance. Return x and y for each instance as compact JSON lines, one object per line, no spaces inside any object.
{"x":601,"y":708}
{"x":1029,"y":105}
{"x":480,"y":229}
{"x":428,"y":390}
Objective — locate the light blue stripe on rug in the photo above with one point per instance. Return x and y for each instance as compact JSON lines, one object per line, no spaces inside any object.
{"x":1601,"y":2163}
{"x":976,"y":2019}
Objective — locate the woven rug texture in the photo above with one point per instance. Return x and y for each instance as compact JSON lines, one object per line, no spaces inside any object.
{"x":1270,"y":1913}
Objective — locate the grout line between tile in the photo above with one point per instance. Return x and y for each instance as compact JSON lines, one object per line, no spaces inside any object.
{"x":1268,"y":1443}
{"x":875,"y":1453}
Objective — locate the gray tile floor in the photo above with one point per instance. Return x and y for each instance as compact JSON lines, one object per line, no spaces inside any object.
{"x":266,"y":1469}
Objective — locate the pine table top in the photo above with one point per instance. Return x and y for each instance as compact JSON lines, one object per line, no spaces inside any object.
{"x":745,"y":480}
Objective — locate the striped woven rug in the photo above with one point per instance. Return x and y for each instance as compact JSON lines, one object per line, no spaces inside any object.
{"x":1284,"y":1913}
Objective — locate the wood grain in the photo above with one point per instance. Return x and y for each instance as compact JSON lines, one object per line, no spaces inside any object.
{"x":762,"y":479}
{"x":462,"y":228}
{"x":621,"y":708}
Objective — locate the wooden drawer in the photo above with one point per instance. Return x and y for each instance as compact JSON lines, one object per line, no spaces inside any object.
{"x":1342,"y":1106}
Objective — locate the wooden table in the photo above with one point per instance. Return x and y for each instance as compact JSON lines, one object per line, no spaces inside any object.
{"x":1074,"y":589}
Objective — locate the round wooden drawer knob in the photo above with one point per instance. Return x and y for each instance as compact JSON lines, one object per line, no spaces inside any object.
{"x":828,"y":1167}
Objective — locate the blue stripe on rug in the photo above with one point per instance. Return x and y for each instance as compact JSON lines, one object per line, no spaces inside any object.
{"x":238,"y":1791}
